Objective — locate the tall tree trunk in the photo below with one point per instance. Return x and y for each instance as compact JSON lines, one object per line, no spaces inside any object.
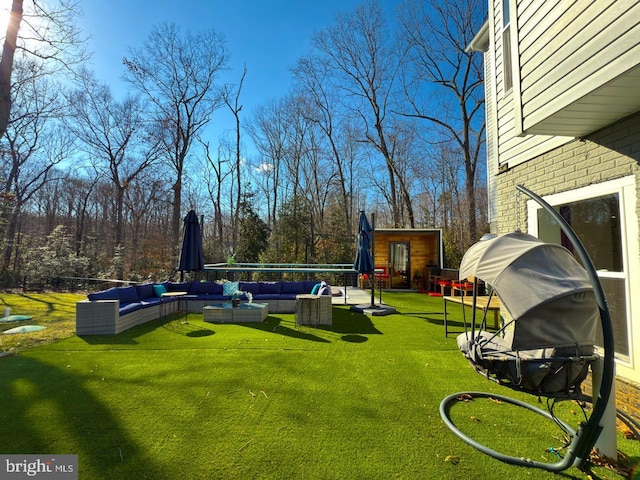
{"x":472,"y":225}
{"x":175,"y":218}
{"x":12,"y":222}
{"x":6,"y":64}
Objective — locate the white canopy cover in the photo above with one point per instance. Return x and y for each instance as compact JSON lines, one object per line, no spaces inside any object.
{"x":542,"y":286}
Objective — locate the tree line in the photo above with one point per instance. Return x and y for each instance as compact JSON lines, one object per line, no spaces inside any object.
{"x":385,"y":114}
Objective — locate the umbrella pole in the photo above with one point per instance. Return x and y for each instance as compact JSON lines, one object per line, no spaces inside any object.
{"x":373,"y":257}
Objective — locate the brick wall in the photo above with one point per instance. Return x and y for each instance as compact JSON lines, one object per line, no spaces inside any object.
{"x":610,"y":153}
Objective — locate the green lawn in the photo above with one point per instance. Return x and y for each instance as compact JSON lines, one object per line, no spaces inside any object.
{"x":358,"y":400}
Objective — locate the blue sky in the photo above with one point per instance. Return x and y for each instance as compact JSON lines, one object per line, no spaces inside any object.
{"x":266,"y":35}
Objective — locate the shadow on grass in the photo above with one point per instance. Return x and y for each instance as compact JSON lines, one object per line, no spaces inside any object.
{"x":41,"y":400}
{"x":181,"y":326}
{"x":348,"y":322}
{"x":128,"y":337}
{"x":345,"y":322}
{"x":51,"y":301}
{"x":351,"y":325}
{"x":354,"y":338}
{"x":274,"y":325}
{"x":435,"y":318}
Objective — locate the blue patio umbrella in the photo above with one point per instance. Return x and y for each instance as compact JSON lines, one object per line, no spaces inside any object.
{"x":191,"y":254}
{"x":364,"y":261}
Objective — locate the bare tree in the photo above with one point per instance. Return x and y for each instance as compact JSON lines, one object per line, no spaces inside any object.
{"x":231,"y":97}
{"x":321,"y":106}
{"x":444,"y":83}
{"x":80,"y":191}
{"x":317,"y":183}
{"x":144,"y":196}
{"x":176,"y":72}
{"x":32,"y":147}
{"x":115,"y":133}
{"x":42,"y":30}
{"x":268,"y":128}
{"x":364,"y":63}
{"x":216,"y":172}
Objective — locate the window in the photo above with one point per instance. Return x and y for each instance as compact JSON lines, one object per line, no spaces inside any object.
{"x":597,"y":214}
{"x":596,"y":222}
{"x":506,"y":47}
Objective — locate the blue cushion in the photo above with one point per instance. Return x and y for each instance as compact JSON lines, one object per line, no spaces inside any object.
{"x":196,"y":288}
{"x":293,"y":287}
{"x":149,"y":301}
{"x":285,"y":296}
{"x":251,"y":287}
{"x":266,"y":296}
{"x":270,"y":287}
{"x":178,"y":286}
{"x":129,"y":307}
{"x":204,"y":288}
{"x":109,"y":294}
{"x":159,"y":289}
{"x":128,"y":295}
{"x":308,"y":285}
{"x":314,"y":290}
{"x":209,"y":296}
{"x":229,"y":288}
{"x":145,"y":290}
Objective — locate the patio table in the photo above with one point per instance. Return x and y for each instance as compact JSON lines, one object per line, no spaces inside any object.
{"x":181,"y":296}
{"x":482,"y":303}
{"x":244,"y":313}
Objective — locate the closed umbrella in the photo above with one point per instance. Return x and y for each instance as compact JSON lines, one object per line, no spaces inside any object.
{"x":364,"y":262}
{"x":191,"y":254}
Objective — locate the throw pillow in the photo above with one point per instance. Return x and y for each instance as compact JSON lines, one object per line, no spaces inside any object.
{"x":229,"y":288}
{"x":158,"y":290}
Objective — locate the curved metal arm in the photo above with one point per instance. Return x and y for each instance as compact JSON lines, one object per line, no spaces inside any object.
{"x":587,"y":435}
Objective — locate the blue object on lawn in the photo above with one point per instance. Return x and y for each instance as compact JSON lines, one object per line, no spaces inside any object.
{"x":15,"y":318}
{"x":24,"y":329}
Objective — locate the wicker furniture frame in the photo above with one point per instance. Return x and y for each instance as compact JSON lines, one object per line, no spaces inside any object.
{"x":225,"y":313}
{"x":101,"y":316}
{"x":314,"y":310}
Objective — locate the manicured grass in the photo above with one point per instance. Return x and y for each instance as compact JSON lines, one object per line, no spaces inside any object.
{"x":55,"y":311}
{"x":357,"y":400}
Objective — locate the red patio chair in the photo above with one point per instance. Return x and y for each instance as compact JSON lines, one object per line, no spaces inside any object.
{"x":382,"y":276}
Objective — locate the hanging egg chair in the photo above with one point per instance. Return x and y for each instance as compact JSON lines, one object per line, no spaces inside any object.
{"x":547,"y":346}
{"x":553,"y":306}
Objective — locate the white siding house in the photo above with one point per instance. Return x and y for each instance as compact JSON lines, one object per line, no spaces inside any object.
{"x":562,"y":93}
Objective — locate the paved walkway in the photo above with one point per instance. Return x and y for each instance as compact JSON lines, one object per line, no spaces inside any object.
{"x":355,"y":296}
{"x":360,"y":301}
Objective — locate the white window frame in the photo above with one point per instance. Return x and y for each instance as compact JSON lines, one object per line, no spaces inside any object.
{"x":626,"y":190}
{"x":507,"y":66}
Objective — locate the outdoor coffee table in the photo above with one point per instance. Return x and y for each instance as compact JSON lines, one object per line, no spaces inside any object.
{"x":226,"y":313}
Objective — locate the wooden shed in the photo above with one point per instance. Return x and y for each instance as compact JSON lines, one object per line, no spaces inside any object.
{"x":406,"y":254}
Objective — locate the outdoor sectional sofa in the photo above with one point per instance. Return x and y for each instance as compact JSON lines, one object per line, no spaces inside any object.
{"x":115,"y":310}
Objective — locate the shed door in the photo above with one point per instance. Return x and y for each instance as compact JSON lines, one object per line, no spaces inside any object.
{"x":399,"y":265}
